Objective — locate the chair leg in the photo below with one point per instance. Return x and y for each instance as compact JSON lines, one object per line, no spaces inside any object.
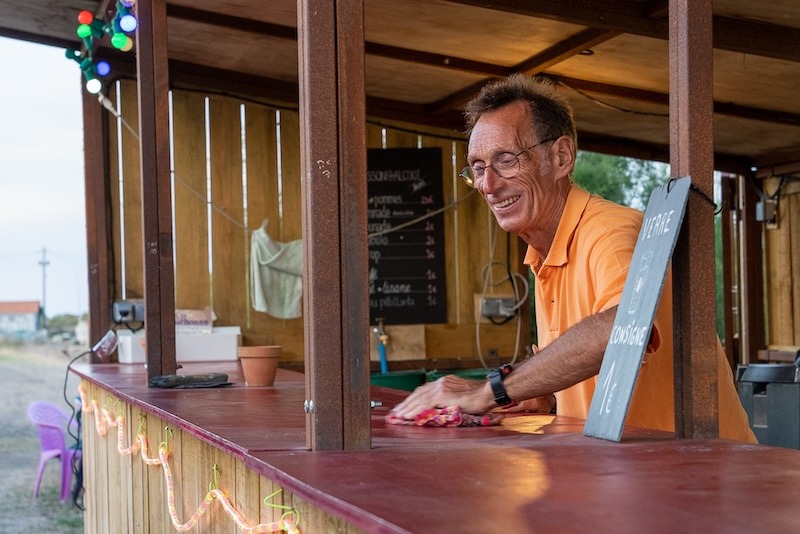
{"x":66,"y":475}
{"x":39,"y":474}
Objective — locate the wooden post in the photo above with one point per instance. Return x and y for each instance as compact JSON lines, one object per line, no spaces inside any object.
{"x":98,"y":224}
{"x":729,"y":255}
{"x":691,"y":154}
{"x":751,"y":301}
{"x":153,"y":86}
{"x":333,"y":170}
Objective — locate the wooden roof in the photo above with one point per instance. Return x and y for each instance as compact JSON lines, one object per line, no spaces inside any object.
{"x":426,"y":58}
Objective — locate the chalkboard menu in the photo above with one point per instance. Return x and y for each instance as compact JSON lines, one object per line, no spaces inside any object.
{"x":406,"y":261}
{"x":637,"y":308}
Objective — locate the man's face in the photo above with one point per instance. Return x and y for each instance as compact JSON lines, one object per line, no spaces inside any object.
{"x":528,"y":203}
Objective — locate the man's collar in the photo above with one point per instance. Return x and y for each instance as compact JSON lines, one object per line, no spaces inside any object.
{"x":577,"y":199}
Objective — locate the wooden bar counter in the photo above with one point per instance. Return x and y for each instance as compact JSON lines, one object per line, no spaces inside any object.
{"x":533,"y":473}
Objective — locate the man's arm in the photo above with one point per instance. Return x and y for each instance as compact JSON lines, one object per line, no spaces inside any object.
{"x":573,"y":357}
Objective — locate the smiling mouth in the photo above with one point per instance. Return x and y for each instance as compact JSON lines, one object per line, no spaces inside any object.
{"x":507,"y":202}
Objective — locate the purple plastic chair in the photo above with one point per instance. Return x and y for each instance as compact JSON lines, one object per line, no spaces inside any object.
{"x":51,"y":422}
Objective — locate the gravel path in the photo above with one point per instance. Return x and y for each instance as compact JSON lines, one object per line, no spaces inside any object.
{"x":28,"y":374}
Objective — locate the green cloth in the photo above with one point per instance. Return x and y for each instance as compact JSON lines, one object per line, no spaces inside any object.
{"x":276,"y":271}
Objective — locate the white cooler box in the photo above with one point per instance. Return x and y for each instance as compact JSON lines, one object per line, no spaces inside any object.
{"x":219,"y":345}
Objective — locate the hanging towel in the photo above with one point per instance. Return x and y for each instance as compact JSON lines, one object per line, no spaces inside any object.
{"x":276,"y":270}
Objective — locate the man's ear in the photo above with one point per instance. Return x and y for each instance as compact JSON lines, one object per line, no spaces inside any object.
{"x":565,"y":154}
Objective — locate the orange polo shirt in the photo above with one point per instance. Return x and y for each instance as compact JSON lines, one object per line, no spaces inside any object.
{"x":583,"y":274}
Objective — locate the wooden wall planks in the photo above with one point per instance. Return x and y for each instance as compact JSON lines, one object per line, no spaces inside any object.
{"x":271,"y":170}
{"x":782,"y":272}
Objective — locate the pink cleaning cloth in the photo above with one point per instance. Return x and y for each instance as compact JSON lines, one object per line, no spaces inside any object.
{"x":447,"y":417}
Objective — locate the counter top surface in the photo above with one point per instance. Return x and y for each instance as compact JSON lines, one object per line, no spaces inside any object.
{"x":532,"y":473}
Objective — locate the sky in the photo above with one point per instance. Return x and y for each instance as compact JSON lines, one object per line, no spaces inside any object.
{"x":42,"y":204}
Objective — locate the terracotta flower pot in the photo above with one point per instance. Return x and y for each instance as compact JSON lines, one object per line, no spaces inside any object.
{"x":260,"y":363}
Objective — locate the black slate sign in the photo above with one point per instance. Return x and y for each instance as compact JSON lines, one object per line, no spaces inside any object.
{"x":407,"y":282}
{"x":637,"y":308}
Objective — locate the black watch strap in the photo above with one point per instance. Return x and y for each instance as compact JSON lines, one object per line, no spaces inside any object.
{"x":496,"y":377}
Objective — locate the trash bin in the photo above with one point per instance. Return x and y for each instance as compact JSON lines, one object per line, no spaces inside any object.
{"x":770,"y":394}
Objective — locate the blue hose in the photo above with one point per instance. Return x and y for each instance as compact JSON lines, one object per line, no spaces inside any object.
{"x":382,"y":356}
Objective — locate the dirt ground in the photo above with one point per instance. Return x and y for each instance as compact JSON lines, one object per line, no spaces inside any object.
{"x":28,"y":374}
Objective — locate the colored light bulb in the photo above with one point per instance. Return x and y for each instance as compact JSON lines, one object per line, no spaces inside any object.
{"x":84,"y":31}
{"x":128,"y":44}
{"x":102,"y":68}
{"x":128,"y":23}
{"x":118,"y":40}
{"x":93,"y":86}
{"x":85,"y":17}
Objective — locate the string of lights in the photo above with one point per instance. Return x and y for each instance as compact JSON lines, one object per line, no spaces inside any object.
{"x":91,"y":30}
{"x":288,"y":522}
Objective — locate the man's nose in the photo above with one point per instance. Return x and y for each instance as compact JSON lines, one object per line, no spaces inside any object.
{"x":490,"y":179}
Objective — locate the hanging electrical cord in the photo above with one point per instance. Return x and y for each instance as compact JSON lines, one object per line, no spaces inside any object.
{"x":76,"y":466}
{"x":612,"y":106}
{"x":106,"y":103}
{"x":488,"y":280}
{"x":762,"y":194}
{"x":423,"y":217}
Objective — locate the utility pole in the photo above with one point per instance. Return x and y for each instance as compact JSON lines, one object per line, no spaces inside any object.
{"x":44,"y":263}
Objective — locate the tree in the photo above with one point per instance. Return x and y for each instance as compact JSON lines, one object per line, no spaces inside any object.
{"x":62,"y":323}
{"x":626,"y":181}
{"x":602,"y":175}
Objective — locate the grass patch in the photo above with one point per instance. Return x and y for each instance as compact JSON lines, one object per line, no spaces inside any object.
{"x":21,"y":512}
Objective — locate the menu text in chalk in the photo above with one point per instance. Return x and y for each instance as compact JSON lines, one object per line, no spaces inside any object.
{"x":407,"y":283}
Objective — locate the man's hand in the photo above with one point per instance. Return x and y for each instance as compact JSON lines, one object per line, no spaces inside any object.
{"x":473,"y":396}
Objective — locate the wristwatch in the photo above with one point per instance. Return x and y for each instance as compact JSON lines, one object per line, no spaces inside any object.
{"x":496,"y":377}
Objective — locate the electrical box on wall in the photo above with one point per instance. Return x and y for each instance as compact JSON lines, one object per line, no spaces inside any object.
{"x":767,"y":212}
{"x":495,"y":308}
{"x":127,"y":311}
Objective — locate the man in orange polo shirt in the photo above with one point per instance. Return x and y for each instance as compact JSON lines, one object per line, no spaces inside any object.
{"x":522,"y":150}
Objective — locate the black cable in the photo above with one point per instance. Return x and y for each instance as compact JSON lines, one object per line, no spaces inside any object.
{"x":511,"y":281}
{"x":760,"y":192}
{"x":612,"y":106}
{"x":134,"y":329}
{"x":77,"y":467}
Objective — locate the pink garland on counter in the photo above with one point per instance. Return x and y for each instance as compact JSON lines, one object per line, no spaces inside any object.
{"x":288,"y":522}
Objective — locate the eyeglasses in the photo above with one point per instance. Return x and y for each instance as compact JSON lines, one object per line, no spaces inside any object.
{"x":505,"y":165}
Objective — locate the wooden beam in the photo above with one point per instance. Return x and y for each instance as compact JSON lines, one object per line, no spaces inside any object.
{"x":443,"y":112}
{"x":98,"y":218}
{"x":693,"y":266}
{"x":159,"y":277}
{"x":751,"y":281}
{"x":639,"y":18}
{"x":565,"y":49}
{"x":728,"y":219}
{"x":333,"y":170}
{"x":656,"y":97}
{"x":535,"y":64}
{"x":351,"y":82}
